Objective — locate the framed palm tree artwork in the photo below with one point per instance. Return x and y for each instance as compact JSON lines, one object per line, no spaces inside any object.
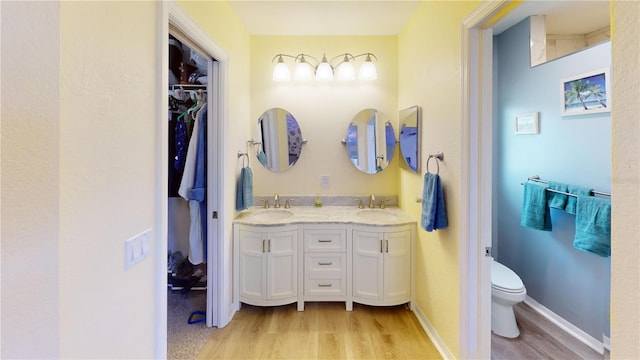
{"x":586,"y":93}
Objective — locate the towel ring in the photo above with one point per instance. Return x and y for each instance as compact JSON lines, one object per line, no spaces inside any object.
{"x":439,"y":156}
{"x":243,"y":156}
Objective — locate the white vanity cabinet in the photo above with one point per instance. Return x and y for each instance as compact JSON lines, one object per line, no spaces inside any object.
{"x":327,"y":270}
{"x":267,"y":264}
{"x":382,"y":264}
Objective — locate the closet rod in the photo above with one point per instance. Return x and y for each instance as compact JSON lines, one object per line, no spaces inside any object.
{"x":536,"y":178}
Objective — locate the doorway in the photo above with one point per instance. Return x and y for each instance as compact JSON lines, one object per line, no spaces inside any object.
{"x":477,"y":124}
{"x":172,"y":19}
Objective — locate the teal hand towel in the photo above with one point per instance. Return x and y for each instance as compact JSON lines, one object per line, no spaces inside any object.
{"x":434,"y":215}
{"x":572,"y":200}
{"x":244,"y":189}
{"x":535,"y":210}
{"x":555,"y":200}
{"x":593,"y":225}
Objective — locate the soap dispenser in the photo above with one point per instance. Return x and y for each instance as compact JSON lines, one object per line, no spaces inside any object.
{"x":317,"y":202}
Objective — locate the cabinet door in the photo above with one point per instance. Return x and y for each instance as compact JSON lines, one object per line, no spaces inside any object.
{"x":253,"y":265}
{"x":397,"y":266}
{"x":367,"y":265}
{"x":282,"y":279}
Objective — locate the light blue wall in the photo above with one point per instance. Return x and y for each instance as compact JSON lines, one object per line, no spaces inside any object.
{"x":571,"y":149}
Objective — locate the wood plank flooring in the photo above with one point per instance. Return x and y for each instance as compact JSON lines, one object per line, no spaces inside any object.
{"x":323,"y":331}
{"x":539,"y":339}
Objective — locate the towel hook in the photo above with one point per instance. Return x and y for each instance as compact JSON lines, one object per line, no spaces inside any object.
{"x":243,"y":155}
{"x":439,"y":157}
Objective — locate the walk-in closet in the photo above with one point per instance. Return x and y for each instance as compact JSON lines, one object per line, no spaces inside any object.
{"x":187,"y":196}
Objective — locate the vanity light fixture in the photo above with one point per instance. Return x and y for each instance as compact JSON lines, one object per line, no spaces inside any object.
{"x":324,"y":70}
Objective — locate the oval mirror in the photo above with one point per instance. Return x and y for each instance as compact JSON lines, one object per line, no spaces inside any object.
{"x":277,"y":140}
{"x":370,"y":141}
{"x":410,"y":137}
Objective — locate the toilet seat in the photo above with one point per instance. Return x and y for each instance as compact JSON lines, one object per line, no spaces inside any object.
{"x":504,"y":279}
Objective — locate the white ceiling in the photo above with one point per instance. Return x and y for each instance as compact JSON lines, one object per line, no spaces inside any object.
{"x":387,"y":17}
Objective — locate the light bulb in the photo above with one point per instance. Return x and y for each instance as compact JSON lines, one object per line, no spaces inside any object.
{"x":368,"y":70}
{"x":304,"y":70}
{"x":345,"y":70}
{"x":281,"y":71}
{"x":324,"y":72}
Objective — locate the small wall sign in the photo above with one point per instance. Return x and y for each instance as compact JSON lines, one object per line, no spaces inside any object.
{"x":528,"y":124}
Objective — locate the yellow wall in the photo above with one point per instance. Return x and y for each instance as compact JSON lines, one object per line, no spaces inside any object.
{"x":30,"y":114}
{"x":108,"y":158}
{"x":429,"y":52}
{"x":324,"y":111}
{"x":625,"y":229}
{"x":80,"y":165}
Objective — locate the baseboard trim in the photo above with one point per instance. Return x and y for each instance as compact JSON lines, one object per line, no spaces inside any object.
{"x":432,"y":334}
{"x":566,"y":325}
{"x":606,"y":341}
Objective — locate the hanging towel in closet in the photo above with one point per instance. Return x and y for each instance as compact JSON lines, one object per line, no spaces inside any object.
{"x":197,"y":194}
{"x":434,"y":215}
{"x":535,"y":210}
{"x":189,"y":164}
{"x":196,"y":242}
{"x":572,"y":200}
{"x":593,"y":225}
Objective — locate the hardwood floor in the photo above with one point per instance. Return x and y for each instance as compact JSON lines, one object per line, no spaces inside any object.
{"x":539,"y":339}
{"x":323,"y":331}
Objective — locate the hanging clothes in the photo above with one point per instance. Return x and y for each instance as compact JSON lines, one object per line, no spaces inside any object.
{"x":196,"y":241}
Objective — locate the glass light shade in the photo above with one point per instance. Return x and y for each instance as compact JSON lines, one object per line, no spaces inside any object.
{"x":304,"y":71}
{"x":281,"y":72}
{"x":368,"y":71}
{"x":346,"y":71}
{"x":324,"y":71}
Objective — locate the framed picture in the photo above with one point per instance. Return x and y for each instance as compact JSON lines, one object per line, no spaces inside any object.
{"x":586,"y":93}
{"x":528,"y":124}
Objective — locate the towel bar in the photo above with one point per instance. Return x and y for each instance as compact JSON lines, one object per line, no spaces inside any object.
{"x":536,"y":178}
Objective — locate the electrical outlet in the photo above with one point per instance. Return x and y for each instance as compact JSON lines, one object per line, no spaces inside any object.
{"x":324,"y":181}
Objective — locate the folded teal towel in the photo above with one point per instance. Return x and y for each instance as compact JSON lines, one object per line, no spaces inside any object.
{"x":593,"y":225}
{"x":572,"y":200}
{"x":434,"y":215}
{"x":535,"y":210}
{"x":555,"y":200}
{"x":244,"y":189}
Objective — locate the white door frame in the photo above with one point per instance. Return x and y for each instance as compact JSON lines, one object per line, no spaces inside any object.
{"x":217,"y":311}
{"x":476,"y":187}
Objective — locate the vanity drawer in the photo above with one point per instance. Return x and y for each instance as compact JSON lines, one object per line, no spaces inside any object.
{"x":325,"y":274}
{"x":331,"y":262}
{"x":331,"y":287}
{"x":325,"y":240}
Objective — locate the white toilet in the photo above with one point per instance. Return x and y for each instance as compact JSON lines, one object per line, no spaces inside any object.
{"x":507,"y":290}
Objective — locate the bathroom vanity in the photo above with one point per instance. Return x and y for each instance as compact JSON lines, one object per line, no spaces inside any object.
{"x":333,"y":253}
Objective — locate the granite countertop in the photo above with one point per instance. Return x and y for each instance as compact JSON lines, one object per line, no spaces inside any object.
{"x":327,"y":214}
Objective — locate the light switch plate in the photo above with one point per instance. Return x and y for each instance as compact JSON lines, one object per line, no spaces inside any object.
{"x":324,"y":181}
{"x":137,"y":248}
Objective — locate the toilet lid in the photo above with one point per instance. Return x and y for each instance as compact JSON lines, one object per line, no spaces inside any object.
{"x":504,"y":278}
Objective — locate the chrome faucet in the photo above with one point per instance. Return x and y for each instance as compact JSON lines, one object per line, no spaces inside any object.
{"x":383,"y":203}
{"x":276,"y":200}
{"x":372,"y":198}
{"x":287,"y":203}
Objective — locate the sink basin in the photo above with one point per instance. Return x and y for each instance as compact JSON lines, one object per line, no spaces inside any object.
{"x":271,"y":214}
{"x":376,"y":215}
